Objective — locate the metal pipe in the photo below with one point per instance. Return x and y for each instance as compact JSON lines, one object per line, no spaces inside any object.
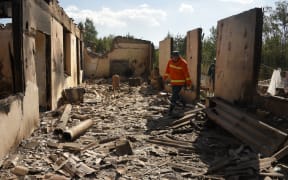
{"x":76,"y":131}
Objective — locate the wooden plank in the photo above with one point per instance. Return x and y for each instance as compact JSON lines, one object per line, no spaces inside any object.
{"x":274,"y":133}
{"x":254,"y":136}
{"x":63,"y":120}
{"x":281,"y":153}
{"x":183,"y":119}
{"x":171,"y":143}
{"x":274,"y":136}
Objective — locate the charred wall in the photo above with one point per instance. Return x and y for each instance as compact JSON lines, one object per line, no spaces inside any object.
{"x":133,"y":57}
{"x":32,"y":72}
{"x":193,"y":52}
{"x":165,"y":48}
{"x":238,"y":56}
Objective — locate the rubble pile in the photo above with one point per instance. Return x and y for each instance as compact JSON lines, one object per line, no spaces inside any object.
{"x":127,"y":134}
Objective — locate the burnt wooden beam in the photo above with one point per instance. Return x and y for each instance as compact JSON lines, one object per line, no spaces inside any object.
{"x":281,"y":153}
{"x":17,"y":60}
{"x":248,"y":129}
{"x":63,"y":120}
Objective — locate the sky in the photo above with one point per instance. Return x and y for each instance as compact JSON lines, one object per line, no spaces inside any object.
{"x":152,"y":20}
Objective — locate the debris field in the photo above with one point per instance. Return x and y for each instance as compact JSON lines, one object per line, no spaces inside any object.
{"x":127,"y":134}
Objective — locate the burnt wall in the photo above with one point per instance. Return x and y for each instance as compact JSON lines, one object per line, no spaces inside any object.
{"x":238,"y":56}
{"x":127,"y":58}
{"x":165,"y":48}
{"x":193,"y":53}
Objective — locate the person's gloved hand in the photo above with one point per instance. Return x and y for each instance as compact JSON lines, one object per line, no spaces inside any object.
{"x":189,"y":87}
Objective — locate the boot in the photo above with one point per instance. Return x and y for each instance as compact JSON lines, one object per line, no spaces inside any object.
{"x":183,"y":103}
{"x":171,"y":109}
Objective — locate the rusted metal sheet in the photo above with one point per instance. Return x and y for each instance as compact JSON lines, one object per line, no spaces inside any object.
{"x":255,"y":133}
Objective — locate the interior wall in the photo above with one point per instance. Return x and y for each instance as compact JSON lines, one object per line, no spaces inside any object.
{"x":71,"y":54}
{"x":95,"y":66}
{"x":6,"y":78}
{"x":19,"y":114}
{"x":238,"y":56}
{"x":57,"y":65}
{"x":30,"y":107}
{"x":136,"y":53}
{"x":37,"y":17}
{"x":193,"y":53}
{"x":40,"y":61}
{"x":165,"y":48}
{"x":10,"y":122}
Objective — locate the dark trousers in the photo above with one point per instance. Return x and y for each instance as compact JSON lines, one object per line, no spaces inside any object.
{"x":175,"y":96}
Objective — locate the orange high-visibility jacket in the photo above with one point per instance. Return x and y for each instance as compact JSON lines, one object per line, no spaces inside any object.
{"x":178,"y":72}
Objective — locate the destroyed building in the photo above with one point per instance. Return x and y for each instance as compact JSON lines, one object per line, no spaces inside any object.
{"x":41,"y":54}
{"x":127,"y":57}
{"x":193,"y":53}
{"x":126,"y":133}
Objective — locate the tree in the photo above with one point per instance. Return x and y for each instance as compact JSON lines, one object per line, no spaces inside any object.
{"x":104,"y":44}
{"x":275,"y":36}
{"x":90,"y":34}
{"x":208,"y":49}
{"x":179,"y":44}
{"x":209,"y":46}
{"x":81,"y":26}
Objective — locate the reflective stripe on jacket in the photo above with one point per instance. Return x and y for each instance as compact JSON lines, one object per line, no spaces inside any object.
{"x":178,"y":72}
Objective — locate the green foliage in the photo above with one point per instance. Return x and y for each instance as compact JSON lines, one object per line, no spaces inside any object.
{"x":209,"y":49}
{"x":156,"y":62}
{"x":81,"y":26}
{"x":275,"y":38}
{"x":104,"y":44}
{"x":128,"y":35}
{"x":179,"y":44}
{"x":90,"y":34}
{"x":99,"y":45}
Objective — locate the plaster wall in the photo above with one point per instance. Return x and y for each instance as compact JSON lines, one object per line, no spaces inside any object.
{"x":19,"y":113}
{"x":71,"y":55}
{"x":238,"y":56}
{"x":165,"y":48}
{"x":57,"y":64}
{"x":95,"y":66}
{"x":40,"y":61}
{"x":136,"y":53}
{"x":193,"y":53}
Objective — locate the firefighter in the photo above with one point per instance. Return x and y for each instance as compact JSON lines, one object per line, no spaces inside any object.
{"x":177,"y":70}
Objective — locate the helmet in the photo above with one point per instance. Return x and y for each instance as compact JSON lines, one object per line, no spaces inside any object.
{"x":175,"y":54}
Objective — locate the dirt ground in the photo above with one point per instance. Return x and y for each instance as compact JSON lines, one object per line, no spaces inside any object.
{"x":132,"y":137}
